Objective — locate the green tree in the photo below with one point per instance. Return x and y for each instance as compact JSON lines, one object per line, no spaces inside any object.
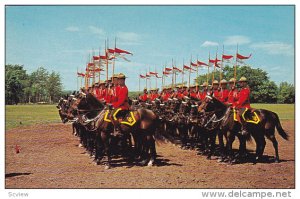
{"x":39,"y":79}
{"x":15,"y":81}
{"x":54,"y":87}
{"x":286,"y":93}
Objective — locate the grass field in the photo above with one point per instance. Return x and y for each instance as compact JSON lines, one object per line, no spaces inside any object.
{"x":24,"y":115}
{"x":284,"y":111}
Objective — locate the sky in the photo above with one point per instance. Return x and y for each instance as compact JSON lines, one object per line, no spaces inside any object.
{"x":61,"y":38}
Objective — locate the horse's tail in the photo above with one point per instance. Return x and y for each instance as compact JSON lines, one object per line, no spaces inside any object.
{"x":279,"y":128}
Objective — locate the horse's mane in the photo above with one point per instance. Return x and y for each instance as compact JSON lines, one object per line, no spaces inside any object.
{"x":215,"y":104}
{"x":219,"y":103}
{"x":92,"y":100}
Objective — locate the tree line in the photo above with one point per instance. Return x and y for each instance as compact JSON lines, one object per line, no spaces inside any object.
{"x":40,"y":86}
{"x":263,"y":90}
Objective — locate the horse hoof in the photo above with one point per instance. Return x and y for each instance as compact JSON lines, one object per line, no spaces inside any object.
{"x":277,"y":161}
{"x":107,"y":167}
{"x":143,"y":162}
{"x":80,"y":145}
{"x":150,"y":163}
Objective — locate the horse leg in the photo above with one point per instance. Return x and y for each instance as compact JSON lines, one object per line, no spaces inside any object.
{"x":98,"y":152}
{"x":212,"y":141}
{"x":260,"y":146}
{"x":221,"y":146}
{"x":229,"y":143}
{"x":144,"y":150}
{"x":270,"y":133}
{"x":152,"y":150}
{"x":105,"y":139}
{"x":242,"y":149}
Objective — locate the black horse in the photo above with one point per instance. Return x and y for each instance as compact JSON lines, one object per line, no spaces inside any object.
{"x":142,"y":130}
{"x":224,"y":117}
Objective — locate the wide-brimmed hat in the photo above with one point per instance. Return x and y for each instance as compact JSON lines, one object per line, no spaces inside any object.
{"x":215,"y":82}
{"x":243,"y":79}
{"x":223,"y":81}
{"x":232,"y":80}
{"x":121,"y":76}
{"x":205,"y":84}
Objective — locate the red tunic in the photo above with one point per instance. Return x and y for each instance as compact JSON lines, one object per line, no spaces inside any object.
{"x":223,"y":95}
{"x":114,"y":93}
{"x":193,"y":95}
{"x":144,"y":97}
{"x":165,"y":96}
{"x":244,"y":98}
{"x":179,"y":95}
{"x":96,"y":93}
{"x":122,"y":98}
{"x":203,"y":95}
{"x":198,"y":95}
{"x":216,"y":94}
{"x":233,"y":96}
{"x":154,"y":96}
{"x":102,"y":93}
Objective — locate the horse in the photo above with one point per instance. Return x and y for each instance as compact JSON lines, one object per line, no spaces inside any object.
{"x":224,"y":117}
{"x":142,"y":129}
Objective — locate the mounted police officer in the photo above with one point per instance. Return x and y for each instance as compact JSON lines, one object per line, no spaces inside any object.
{"x":144,"y":97}
{"x":204,"y":91}
{"x":121,"y":105}
{"x":233,"y":94}
{"x":224,"y":91}
{"x":244,"y":94}
{"x":215,"y":90}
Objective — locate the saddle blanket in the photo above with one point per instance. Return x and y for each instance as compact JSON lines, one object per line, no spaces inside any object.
{"x":129,"y":118}
{"x":252,"y":116}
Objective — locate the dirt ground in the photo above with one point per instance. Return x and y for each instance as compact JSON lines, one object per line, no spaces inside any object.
{"x":50,"y":158}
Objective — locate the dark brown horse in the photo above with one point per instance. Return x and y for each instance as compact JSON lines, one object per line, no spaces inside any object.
{"x":265,"y":128}
{"x":142,"y":129}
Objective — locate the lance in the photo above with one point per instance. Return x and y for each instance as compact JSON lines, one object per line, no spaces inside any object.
{"x":149,"y":79}
{"x":146,"y":80}
{"x":94,"y":67}
{"x":190,"y":71}
{"x":221,"y":75}
{"x":81,"y":81}
{"x":172,"y":75}
{"x":208,"y":68}
{"x":197,"y":74}
{"x":162,"y":79}
{"x":77,"y":79}
{"x":237,"y":47}
{"x":213,"y":75}
{"x":113,"y":69}
{"x":106,"y":46}
{"x":175,"y":75}
{"x":155,"y":78}
{"x":182,"y":72}
{"x":99,"y":66}
{"x":139,"y":83}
